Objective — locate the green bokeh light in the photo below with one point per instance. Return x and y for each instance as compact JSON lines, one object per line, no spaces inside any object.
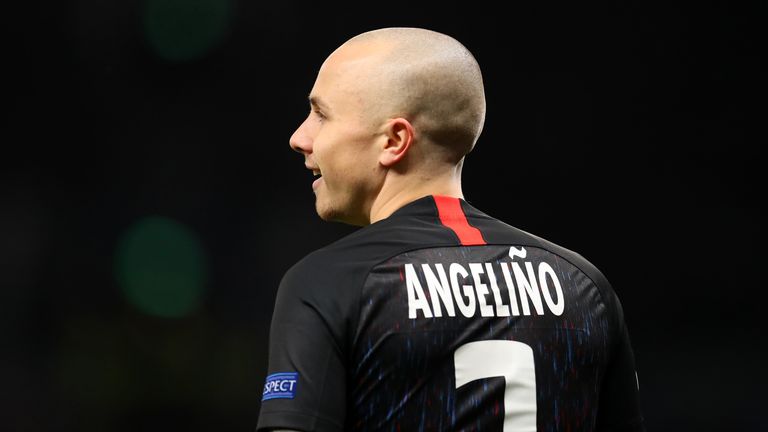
{"x":180,"y":30}
{"x":161,"y":267}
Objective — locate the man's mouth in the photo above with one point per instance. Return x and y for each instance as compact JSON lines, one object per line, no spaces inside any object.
{"x":318,"y":177}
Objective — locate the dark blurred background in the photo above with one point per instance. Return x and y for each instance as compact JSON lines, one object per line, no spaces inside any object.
{"x":150,"y":202}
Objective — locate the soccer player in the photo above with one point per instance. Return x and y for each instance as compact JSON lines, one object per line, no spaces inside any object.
{"x":433,"y":315}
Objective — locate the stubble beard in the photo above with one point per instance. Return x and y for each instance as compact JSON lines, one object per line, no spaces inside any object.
{"x":324,"y":206}
{"x":334,"y":210}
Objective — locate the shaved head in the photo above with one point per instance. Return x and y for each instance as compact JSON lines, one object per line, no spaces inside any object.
{"x":392,"y":114}
{"x":427,"y":77}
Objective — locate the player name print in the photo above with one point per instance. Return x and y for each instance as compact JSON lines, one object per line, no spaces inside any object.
{"x":490,"y":289}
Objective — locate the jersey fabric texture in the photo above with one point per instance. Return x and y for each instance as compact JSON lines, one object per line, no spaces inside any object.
{"x":442,"y":318}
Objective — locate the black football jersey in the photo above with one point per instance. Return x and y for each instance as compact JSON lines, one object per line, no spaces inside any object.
{"x":442,"y":318}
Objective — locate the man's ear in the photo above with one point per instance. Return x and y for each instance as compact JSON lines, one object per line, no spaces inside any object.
{"x":400,"y":135}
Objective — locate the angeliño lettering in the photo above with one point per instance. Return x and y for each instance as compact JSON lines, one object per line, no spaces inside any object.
{"x":450,"y":294}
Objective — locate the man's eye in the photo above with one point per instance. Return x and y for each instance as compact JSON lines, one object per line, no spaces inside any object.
{"x":320,"y":115}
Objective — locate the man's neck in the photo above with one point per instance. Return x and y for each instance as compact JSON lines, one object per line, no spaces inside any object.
{"x":398,"y":192}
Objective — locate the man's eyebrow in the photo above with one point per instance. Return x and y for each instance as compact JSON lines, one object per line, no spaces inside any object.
{"x":317,"y":102}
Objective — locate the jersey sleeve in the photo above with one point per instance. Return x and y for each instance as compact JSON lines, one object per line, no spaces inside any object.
{"x":305,"y":388}
{"x":619,"y":408}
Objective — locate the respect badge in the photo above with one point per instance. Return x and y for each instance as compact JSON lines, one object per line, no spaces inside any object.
{"x":280,"y":386}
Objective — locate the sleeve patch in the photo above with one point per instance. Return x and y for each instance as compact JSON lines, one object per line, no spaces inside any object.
{"x":280,"y":386}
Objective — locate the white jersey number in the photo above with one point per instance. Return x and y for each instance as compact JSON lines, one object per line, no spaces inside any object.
{"x":511,"y":360}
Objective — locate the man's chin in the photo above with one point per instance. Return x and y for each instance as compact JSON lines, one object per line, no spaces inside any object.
{"x":329,"y":213}
{"x":325,"y":211}
{"x":325,"y":216}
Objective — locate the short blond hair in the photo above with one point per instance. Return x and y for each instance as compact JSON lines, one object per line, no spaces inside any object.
{"x":434,"y":81}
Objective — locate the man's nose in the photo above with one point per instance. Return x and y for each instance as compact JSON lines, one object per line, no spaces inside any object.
{"x":301,"y":141}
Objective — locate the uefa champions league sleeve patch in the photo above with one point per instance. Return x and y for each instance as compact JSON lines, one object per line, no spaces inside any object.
{"x":280,"y":386}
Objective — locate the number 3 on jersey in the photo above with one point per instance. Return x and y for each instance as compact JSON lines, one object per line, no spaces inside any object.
{"x":511,"y":360}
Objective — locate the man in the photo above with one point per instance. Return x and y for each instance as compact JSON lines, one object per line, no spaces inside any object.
{"x":433,"y":316}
